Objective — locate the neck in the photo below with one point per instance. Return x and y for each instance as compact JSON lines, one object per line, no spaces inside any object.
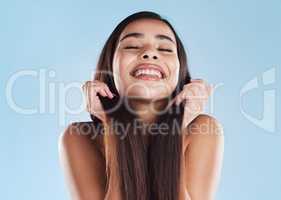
{"x":147,"y":110}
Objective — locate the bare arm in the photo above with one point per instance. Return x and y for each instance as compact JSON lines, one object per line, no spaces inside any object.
{"x":203,"y":157}
{"x":83,"y":165}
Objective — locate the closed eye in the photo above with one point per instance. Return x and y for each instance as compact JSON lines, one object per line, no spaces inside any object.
{"x":131,"y":47}
{"x":159,"y":49}
{"x":167,"y":50}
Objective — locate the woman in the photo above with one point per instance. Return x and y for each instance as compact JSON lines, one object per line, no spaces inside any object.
{"x":142,"y":76}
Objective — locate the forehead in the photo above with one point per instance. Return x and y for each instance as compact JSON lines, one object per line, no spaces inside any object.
{"x":148,"y":27}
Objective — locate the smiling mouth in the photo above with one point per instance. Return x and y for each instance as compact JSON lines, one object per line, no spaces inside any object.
{"x":148,"y":77}
{"x":147,"y":74}
{"x":148,"y":71}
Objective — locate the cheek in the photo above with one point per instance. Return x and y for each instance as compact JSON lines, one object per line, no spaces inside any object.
{"x":174,"y":71}
{"x":174,"y":79}
{"x":121,"y":63}
{"x":116,"y":71}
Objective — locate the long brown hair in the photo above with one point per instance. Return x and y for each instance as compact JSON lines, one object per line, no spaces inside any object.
{"x":144,"y":172}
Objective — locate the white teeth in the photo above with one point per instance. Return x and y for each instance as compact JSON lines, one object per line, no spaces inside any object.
{"x":148,"y":72}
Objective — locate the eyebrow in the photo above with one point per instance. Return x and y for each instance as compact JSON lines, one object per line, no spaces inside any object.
{"x":141,"y":35}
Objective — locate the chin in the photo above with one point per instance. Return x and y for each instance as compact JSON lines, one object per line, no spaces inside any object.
{"x":148,"y":94}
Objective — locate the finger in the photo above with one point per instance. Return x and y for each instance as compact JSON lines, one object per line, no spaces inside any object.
{"x":196,"y":80}
{"x":104,"y":87}
{"x":84,"y":86}
{"x":196,"y":107}
{"x":181,"y":97}
{"x":100,"y":90}
{"x":171,"y":102}
{"x":201,"y":89}
{"x":189,"y":93}
{"x":87,"y":98}
{"x":204,"y":92}
{"x":211,"y":89}
{"x":194,"y":87}
{"x":94,"y":102}
{"x":208,"y":90}
{"x":107,"y":90}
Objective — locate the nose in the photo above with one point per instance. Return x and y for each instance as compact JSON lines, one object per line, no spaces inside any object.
{"x":149,"y":54}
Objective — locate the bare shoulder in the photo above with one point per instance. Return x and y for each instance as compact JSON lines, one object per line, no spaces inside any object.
{"x":80,"y":134}
{"x":205,"y":127}
{"x":204,"y":157}
{"x":82,"y":161}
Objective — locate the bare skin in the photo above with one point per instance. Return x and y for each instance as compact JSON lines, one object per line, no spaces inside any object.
{"x":82,"y":157}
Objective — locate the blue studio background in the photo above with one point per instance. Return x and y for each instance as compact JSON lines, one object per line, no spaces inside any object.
{"x":49,"y":48}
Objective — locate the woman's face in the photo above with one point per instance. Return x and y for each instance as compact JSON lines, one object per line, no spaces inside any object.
{"x":145,"y":63}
